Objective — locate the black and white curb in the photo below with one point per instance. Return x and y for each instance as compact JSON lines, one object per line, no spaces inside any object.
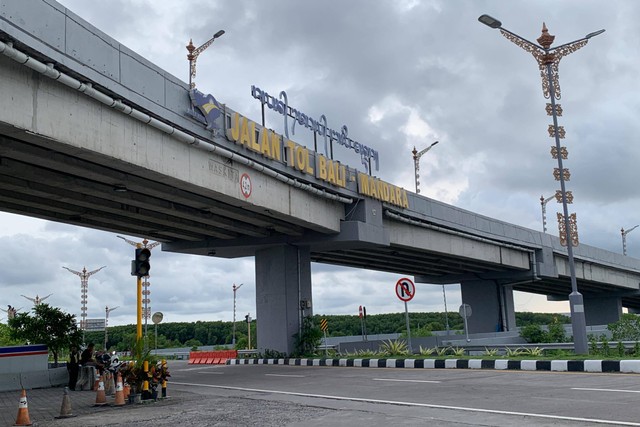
{"x":623,"y":366}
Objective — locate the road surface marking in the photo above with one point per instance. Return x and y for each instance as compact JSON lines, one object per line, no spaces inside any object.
{"x":421,"y":405}
{"x":406,"y":381}
{"x":606,"y":389}
{"x":199,"y":368}
{"x":282,"y":375}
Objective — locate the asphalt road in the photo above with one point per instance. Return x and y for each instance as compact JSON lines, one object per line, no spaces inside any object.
{"x":277,"y":395}
{"x":415,"y":396}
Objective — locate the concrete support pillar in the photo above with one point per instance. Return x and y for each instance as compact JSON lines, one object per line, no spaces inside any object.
{"x":602,"y":310}
{"x":491,"y":305}
{"x":283,"y":282}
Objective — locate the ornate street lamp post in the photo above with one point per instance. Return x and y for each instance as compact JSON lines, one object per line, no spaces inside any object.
{"x":624,"y":238}
{"x":416,"y":167}
{"x":416,"y":163}
{"x":548,"y":59}
{"x":107,"y":310}
{"x":235,"y":288}
{"x":193,"y":56}
{"x":84,"y":290}
{"x":543,"y":204}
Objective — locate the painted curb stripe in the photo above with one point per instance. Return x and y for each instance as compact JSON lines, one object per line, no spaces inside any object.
{"x":623,"y":366}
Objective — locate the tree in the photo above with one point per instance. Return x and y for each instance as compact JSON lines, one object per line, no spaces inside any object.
{"x":48,"y":325}
{"x":627,"y":328}
{"x":5,"y":336}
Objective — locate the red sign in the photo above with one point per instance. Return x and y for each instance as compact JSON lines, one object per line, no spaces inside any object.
{"x":360,"y":310}
{"x":405,"y":289}
{"x":245,"y":185}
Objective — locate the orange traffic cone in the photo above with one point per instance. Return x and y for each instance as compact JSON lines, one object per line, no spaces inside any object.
{"x":101,"y":397}
{"x":65,"y":409}
{"x":23,"y":411}
{"x":119,"y":392}
{"x":126,"y":390}
{"x":96,"y":381}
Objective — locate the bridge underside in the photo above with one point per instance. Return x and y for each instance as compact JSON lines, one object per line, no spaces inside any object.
{"x":47,"y":180}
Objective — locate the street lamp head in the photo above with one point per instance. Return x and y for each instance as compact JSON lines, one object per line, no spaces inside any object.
{"x":490,"y":21}
{"x":434,"y":143}
{"x":595,"y":33}
{"x":218,"y":34}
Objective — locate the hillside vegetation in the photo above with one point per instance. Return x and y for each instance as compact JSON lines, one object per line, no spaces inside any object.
{"x":194,"y":334}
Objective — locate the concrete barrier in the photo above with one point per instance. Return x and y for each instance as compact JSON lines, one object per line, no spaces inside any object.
{"x":35,"y":379}
{"x":58,"y":376}
{"x":9,"y":382}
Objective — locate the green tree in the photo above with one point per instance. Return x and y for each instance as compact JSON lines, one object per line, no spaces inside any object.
{"x":5,"y":336}
{"x":48,"y":325}
{"x":308,"y":339}
{"x":627,"y":328}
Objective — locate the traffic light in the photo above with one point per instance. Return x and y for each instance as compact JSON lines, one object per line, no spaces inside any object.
{"x":140,"y":265}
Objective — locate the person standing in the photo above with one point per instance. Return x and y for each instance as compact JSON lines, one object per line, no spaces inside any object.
{"x":73,"y":367}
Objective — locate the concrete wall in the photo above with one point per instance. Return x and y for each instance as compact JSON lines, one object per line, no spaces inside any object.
{"x":27,"y":367}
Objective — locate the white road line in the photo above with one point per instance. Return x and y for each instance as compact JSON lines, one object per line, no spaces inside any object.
{"x":216,"y":373}
{"x":406,"y":381}
{"x":200,"y":368}
{"x":283,"y":375}
{"x":605,"y":389}
{"x":423,"y":405}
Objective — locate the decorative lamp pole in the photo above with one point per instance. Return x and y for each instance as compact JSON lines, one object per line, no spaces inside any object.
{"x":143,"y":302}
{"x":416,"y":166}
{"x":235,"y":288}
{"x":106,"y":323}
{"x":84,"y":289}
{"x":248,"y":317}
{"x":37,"y":300}
{"x":548,"y":59}
{"x":416,"y":163}
{"x":193,"y":56}
{"x":543,"y":203}
{"x":624,"y":238}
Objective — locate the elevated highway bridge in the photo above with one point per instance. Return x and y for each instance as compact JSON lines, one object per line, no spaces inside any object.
{"x":94,"y":135}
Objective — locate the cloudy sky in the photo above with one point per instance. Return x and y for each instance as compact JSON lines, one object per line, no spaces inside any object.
{"x":399,"y":74}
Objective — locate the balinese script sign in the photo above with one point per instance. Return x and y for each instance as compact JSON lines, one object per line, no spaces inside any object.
{"x":319,"y":126}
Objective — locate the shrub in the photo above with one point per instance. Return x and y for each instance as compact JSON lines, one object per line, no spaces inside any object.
{"x":394,"y":348}
{"x":533,"y":334}
{"x":627,"y":328}
{"x":556,"y":331}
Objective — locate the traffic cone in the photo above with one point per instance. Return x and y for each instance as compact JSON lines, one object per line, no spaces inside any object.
{"x":96,"y":380}
{"x":23,"y":411}
{"x":109,"y":386}
{"x":126,"y":390}
{"x":101,"y":398}
{"x":65,"y":409}
{"x":119,"y":392}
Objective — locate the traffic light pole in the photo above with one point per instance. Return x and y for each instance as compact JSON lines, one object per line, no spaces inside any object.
{"x":139,"y":306}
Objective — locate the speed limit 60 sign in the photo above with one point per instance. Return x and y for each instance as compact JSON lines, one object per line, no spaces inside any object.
{"x":405,"y":289}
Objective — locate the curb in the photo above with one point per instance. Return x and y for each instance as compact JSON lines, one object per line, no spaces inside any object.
{"x":621,"y":366}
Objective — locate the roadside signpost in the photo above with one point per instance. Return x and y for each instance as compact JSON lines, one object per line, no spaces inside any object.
{"x":324,"y":326}
{"x":362,"y":312}
{"x":465,"y":313}
{"x":406,"y":290}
